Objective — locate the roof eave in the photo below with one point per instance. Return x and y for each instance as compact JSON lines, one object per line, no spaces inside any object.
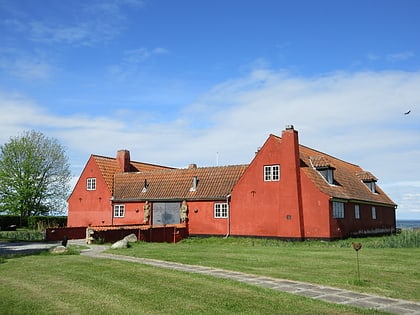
{"x":367,"y":202}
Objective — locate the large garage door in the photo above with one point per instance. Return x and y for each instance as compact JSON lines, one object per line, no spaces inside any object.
{"x":166,"y":213}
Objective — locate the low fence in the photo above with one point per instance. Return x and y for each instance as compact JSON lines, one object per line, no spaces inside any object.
{"x":72,"y":233}
{"x":107,"y":234}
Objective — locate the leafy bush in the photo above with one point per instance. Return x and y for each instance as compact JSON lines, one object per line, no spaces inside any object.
{"x":40,"y":223}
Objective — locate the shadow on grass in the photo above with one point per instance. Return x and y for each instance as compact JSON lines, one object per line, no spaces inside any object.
{"x":10,"y":250}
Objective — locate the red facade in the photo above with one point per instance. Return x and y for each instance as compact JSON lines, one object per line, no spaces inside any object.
{"x":90,"y":207}
{"x":288,"y":191}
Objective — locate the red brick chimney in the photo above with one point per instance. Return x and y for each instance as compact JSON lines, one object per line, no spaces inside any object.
{"x":123,"y":159}
{"x":290,"y":143}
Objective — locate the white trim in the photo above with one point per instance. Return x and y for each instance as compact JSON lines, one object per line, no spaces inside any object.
{"x":221,"y":210}
{"x":119,"y":211}
{"x":272,"y":173}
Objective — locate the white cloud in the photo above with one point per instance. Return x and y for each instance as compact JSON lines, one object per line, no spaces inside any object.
{"x":25,"y":65}
{"x":392,"y":57}
{"x":139,"y":55}
{"x":400,"y":56}
{"x":358,"y":117}
{"x":86,"y":24}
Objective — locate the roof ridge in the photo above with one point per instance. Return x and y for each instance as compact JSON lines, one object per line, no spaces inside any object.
{"x":327,"y":155}
{"x":321,"y":152}
{"x":131,"y":161}
{"x":184,"y":169}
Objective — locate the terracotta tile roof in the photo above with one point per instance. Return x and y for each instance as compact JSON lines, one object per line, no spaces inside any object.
{"x":366,"y":177}
{"x":348,"y":178}
{"x":109,"y":166}
{"x":212,"y":183}
{"x":320,"y":161}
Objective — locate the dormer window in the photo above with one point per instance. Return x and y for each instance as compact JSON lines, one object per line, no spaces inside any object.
{"x":328,"y":174}
{"x":145,"y":186}
{"x":368,"y":179}
{"x":371,"y":185}
{"x":324,"y":168}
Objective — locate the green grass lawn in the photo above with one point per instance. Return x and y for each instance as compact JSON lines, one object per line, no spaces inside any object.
{"x":73,"y":284}
{"x":391,"y":272}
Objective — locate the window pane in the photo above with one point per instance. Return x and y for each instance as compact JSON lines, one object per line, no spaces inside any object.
{"x":357,"y":211}
{"x":267,"y":173}
{"x":373,"y":213}
{"x":276,"y":172}
{"x":338,"y":210}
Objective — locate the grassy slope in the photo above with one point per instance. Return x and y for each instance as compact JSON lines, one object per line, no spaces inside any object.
{"x":70,"y":284}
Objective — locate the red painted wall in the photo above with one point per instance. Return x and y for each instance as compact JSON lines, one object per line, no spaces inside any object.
{"x":90,"y":207}
{"x":316,"y":210}
{"x":202,"y":221}
{"x":133,"y":214}
{"x":271,"y":208}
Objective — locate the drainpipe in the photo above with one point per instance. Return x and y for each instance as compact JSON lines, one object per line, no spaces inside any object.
{"x":112,"y":210}
{"x":228,"y":208}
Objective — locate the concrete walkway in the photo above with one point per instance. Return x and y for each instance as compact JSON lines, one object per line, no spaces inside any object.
{"x":24,"y":248}
{"x":324,"y":293}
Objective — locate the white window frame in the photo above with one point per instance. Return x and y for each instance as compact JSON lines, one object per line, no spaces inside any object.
{"x":271,"y":173}
{"x":221,"y":210}
{"x":357,"y":212}
{"x":91,"y":183}
{"x":373,"y":213}
{"x":119,"y":211}
{"x":338,"y":210}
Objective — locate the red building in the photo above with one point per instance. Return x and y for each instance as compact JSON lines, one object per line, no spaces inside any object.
{"x":287,"y":191}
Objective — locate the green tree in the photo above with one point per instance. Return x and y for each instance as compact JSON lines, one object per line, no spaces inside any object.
{"x":34,"y":175}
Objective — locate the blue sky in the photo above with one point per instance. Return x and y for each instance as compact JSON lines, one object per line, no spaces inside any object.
{"x":206,"y":82}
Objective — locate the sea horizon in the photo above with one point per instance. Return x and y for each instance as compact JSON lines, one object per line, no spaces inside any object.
{"x":408,"y":224}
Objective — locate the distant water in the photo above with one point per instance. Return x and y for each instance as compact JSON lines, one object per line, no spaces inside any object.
{"x":408,"y":224}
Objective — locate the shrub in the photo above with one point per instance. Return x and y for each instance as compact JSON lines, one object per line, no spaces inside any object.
{"x":41,"y":223}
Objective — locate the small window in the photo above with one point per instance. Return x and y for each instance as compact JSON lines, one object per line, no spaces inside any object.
{"x":338,"y":210}
{"x":356,"y":211}
{"x":119,"y":211}
{"x":91,"y":184}
{"x":328,"y":175}
{"x":220,"y":210}
{"x":373,"y":213}
{"x":271,"y":173}
{"x":371,"y":185}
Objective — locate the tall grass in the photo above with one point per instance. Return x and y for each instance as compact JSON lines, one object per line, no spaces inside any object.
{"x":405,"y":239}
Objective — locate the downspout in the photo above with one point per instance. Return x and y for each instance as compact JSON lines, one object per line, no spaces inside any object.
{"x":112,"y":210}
{"x":228,"y":209}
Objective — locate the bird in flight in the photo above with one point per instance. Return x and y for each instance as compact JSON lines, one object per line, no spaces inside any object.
{"x":406,"y":113}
